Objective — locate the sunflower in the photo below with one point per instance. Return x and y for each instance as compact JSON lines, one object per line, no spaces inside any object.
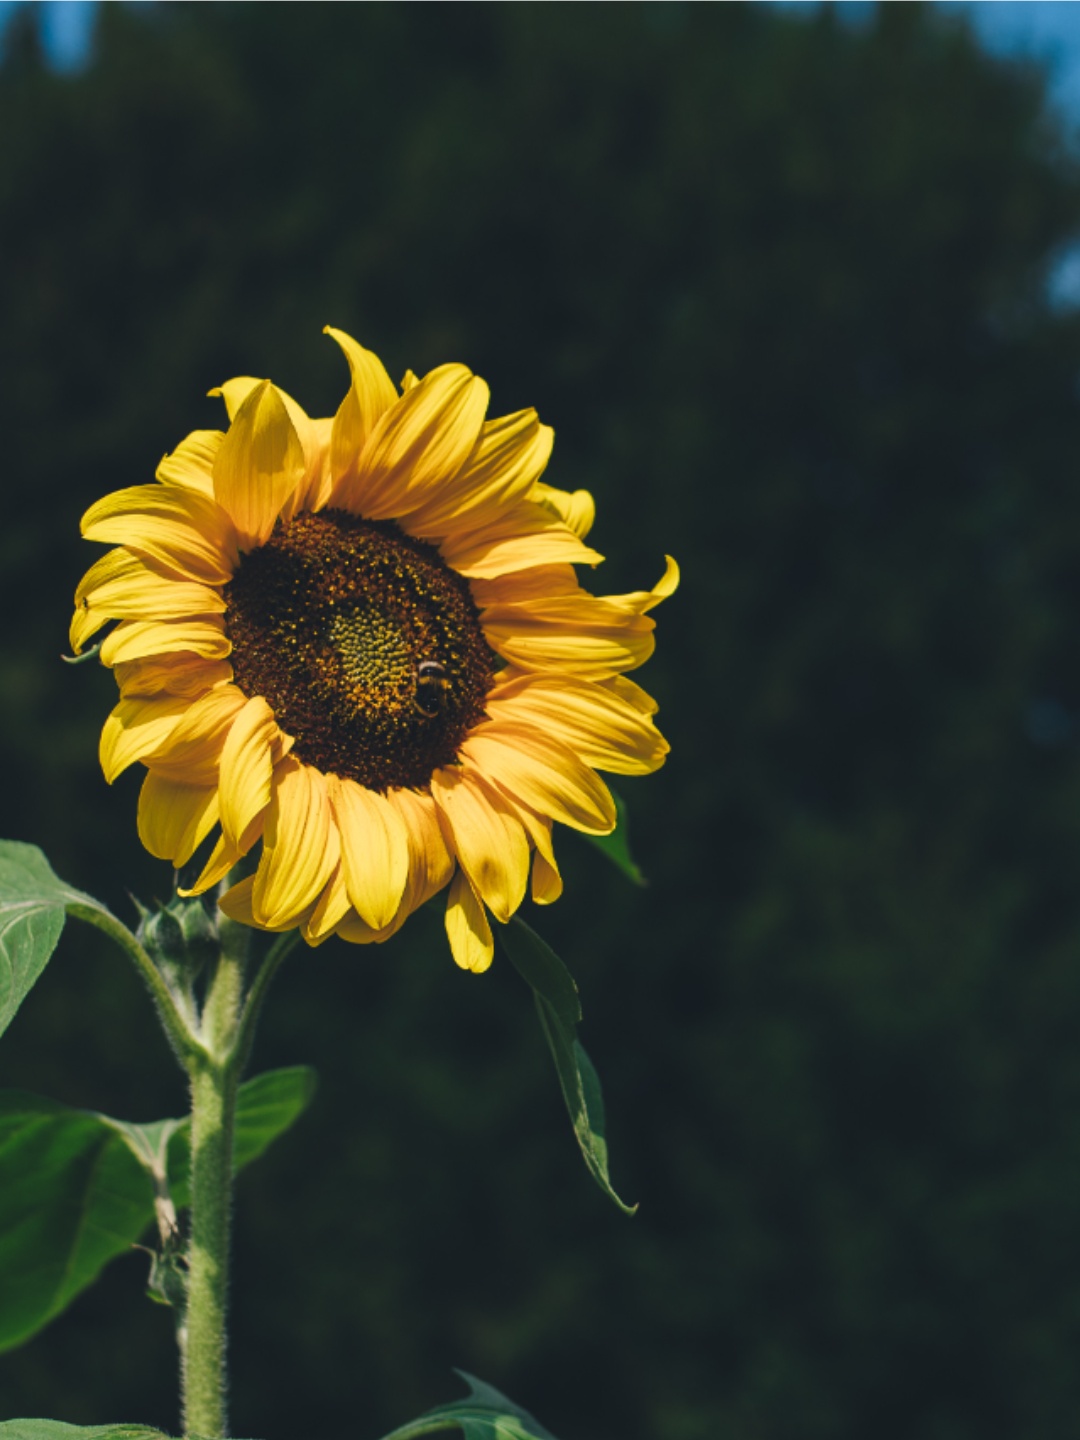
{"x":362,"y":643}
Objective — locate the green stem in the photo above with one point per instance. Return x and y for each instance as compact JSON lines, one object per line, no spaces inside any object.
{"x":253,"y":1003}
{"x":185,"y":1045}
{"x":214,"y":1077}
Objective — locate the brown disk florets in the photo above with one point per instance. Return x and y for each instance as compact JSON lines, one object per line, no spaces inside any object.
{"x":365,"y":644}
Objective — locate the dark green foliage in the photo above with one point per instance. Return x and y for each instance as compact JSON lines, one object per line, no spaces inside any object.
{"x":559,"y":1013}
{"x":76,"y":1187}
{"x":779,"y":286}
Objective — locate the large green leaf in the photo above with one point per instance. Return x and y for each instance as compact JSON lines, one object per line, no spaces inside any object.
{"x":485,"y":1414}
{"x":77,"y":1188}
{"x":57,"y":1430}
{"x":557,"y":1004}
{"x":33,"y":905}
{"x":616,"y":846}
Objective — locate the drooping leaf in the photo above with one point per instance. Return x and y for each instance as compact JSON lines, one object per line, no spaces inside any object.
{"x":57,"y":1430}
{"x":77,"y":1188}
{"x":72,"y":1196}
{"x":33,"y":905}
{"x":616,"y":846}
{"x":485,"y":1414}
{"x":560,"y":1011}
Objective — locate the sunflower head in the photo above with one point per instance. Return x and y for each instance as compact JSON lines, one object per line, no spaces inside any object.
{"x":360,"y":644}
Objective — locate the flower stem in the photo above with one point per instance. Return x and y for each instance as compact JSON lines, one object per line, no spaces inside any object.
{"x":214,"y":1078}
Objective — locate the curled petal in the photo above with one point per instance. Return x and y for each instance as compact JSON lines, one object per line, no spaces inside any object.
{"x":547,"y":883}
{"x":467,"y":926}
{"x":575,"y":508}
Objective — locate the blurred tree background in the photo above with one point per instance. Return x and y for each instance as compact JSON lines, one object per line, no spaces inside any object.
{"x":780,"y":284}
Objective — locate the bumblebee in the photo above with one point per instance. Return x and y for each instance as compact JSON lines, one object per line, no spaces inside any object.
{"x":431,"y":688}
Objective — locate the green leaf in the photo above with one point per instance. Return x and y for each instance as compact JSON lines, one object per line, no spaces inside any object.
{"x":77,"y":1188}
{"x":33,"y":906}
{"x":486,"y":1414}
{"x":560,"y":1011}
{"x":57,"y":1430}
{"x":616,"y":846}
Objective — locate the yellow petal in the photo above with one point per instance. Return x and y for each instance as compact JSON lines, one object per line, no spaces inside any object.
{"x":547,"y":883}
{"x":238,"y":904}
{"x":505,"y":463}
{"x":139,"y":639}
{"x":178,"y":674}
{"x":191,"y":753}
{"x":539,"y":582}
{"x":222,"y":859}
{"x":300,"y":846}
{"x":314,"y":493}
{"x":487,"y":838}
{"x":120,"y":586}
{"x":331,"y":909}
{"x":420,"y":444}
{"x":191,"y":464}
{"x":467,"y":926}
{"x":313,"y":441}
{"x":260,"y":464}
{"x":543,"y":773}
{"x":180,"y":528}
{"x":234,"y":392}
{"x":135,"y":728}
{"x":246,"y":771}
{"x":523,"y":536}
{"x":175,"y":819}
{"x":575,"y":508}
{"x":430,"y":863}
{"x":638,"y":601}
{"x":579,"y":633}
{"x":598,"y":725}
{"x":370,"y":396}
{"x":633,"y":694}
{"x":374,"y":850}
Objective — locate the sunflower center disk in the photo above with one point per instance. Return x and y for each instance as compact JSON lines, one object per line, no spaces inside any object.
{"x":365,"y":644}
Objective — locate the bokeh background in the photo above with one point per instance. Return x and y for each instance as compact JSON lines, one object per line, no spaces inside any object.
{"x":788,"y":289}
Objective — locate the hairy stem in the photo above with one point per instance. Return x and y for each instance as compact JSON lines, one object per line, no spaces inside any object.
{"x":175,"y":1023}
{"x":214,"y":1078}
